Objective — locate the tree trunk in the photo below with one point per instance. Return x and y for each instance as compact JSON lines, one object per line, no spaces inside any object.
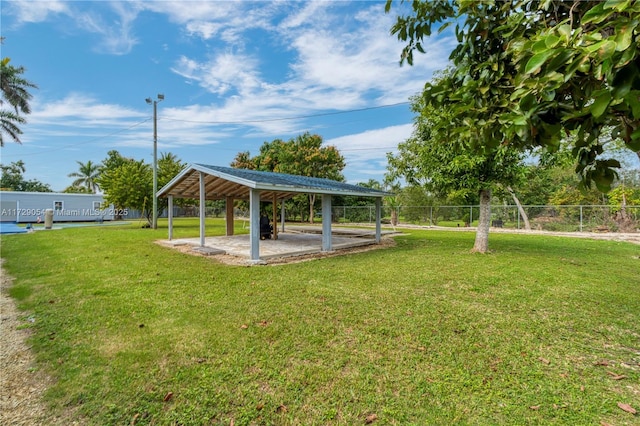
{"x":523,"y":214}
{"x":394,"y":217}
{"x":481,"y":244}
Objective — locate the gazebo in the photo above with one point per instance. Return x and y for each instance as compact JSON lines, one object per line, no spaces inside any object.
{"x":206,"y":182}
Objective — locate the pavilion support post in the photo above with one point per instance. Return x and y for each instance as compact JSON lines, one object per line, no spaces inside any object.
{"x":282,"y":216}
{"x":378,"y":219}
{"x":229,"y":215}
{"x":254,"y":218}
{"x":170,"y":216}
{"x":202,"y":208}
{"x":275,"y":217}
{"x":326,"y":222}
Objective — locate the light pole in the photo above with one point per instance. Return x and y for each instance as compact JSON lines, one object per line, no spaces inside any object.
{"x":154,"y":222}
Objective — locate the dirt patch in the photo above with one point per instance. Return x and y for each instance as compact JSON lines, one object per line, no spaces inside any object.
{"x":22,"y":383}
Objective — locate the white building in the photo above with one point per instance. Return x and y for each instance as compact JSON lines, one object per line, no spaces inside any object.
{"x":30,"y":206}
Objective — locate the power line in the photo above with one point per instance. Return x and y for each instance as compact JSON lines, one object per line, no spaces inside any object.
{"x":88,"y":141}
{"x":97,"y":138}
{"x":266,"y":120}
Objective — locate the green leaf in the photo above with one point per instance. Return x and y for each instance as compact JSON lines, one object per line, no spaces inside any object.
{"x":527,"y":103}
{"x":548,"y":95}
{"x":536,"y":61}
{"x":634,"y":142}
{"x":607,"y":49}
{"x":539,"y":46}
{"x":617,"y":5}
{"x":623,"y":39}
{"x":604,"y":177}
{"x":565,"y":31}
{"x":633,"y":102}
{"x":561,"y":59}
{"x":596,"y":15}
{"x":600,"y":105}
{"x":551,"y":41}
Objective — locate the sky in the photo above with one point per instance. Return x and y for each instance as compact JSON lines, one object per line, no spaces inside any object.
{"x":234,"y":74}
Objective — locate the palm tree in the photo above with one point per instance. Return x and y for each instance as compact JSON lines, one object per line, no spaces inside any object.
{"x":86,"y":175}
{"x":15,"y":92}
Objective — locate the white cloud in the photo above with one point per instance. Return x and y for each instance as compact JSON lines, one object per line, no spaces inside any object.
{"x":372,"y":144}
{"x":83,"y":110}
{"x":117,"y":34}
{"x":226,"y":20}
{"x":34,"y":11}
{"x":309,"y":12}
{"x":366,"y":152}
{"x":340,"y":62}
{"x":361,"y":57}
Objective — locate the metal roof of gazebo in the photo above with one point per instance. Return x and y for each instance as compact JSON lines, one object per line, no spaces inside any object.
{"x":221,"y":182}
{"x":206,"y":182}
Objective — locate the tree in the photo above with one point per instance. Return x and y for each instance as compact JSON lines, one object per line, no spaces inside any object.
{"x":243,"y":160}
{"x":113,"y":161}
{"x":129,"y":186}
{"x":128,"y":183}
{"x":86,"y":176}
{"x":77,"y":189}
{"x":448,"y":167}
{"x":169,"y":165}
{"x":13,"y":180}
{"x":15,"y":92}
{"x":303,"y":155}
{"x":527,"y":70}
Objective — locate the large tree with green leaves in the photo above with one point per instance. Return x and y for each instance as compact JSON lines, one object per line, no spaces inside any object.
{"x":528,"y":72}
{"x":303,"y":155}
{"x":449,"y":168}
{"x":129,"y":186}
{"x":86,"y":176}
{"x":128,"y":183}
{"x":15,"y":94}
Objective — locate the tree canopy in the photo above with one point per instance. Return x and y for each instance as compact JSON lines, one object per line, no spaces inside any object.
{"x":15,"y":93}
{"x":527,"y":73}
{"x":303,"y":155}
{"x":86,"y":176}
{"x":13,"y":179}
{"x":449,"y":168}
{"x":128,"y":183}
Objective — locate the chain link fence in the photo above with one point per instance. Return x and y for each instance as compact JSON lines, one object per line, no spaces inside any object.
{"x":588,"y":218}
{"x":548,"y":218}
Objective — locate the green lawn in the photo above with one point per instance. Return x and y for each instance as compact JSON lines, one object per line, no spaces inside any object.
{"x":423,"y":333}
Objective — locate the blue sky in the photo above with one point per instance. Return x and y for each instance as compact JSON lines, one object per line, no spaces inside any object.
{"x":234,"y":74}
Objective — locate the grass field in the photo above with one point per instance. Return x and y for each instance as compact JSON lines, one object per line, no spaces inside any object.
{"x":539,"y":332}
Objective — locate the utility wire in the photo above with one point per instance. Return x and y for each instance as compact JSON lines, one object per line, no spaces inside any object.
{"x":266,"y":120}
{"x":88,"y":141}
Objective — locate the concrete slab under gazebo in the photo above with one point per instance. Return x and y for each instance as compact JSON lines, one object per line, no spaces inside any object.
{"x":206,"y":182}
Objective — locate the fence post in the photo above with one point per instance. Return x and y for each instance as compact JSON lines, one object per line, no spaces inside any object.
{"x":470,"y":215}
{"x":430,"y":215}
{"x":580,"y":218}
{"x":518,"y":217}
